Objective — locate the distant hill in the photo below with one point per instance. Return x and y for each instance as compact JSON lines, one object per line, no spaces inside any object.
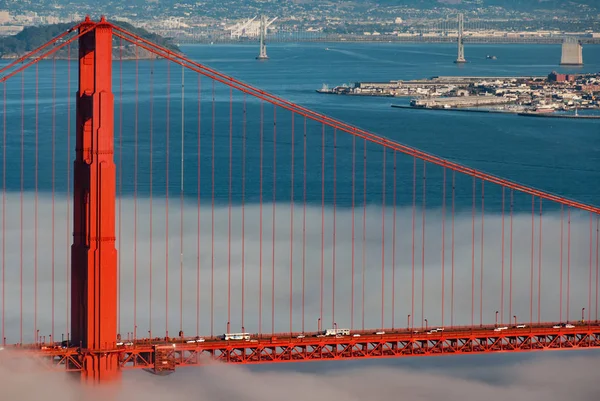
{"x":510,"y":5}
{"x":31,"y":38}
{"x":499,"y":3}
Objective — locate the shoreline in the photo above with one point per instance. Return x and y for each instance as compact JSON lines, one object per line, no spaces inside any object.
{"x":517,"y":113}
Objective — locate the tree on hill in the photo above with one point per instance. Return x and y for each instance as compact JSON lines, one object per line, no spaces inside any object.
{"x":33,"y":37}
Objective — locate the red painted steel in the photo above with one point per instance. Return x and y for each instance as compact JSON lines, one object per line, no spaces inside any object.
{"x":94,"y":257}
{"x":167,"y":354}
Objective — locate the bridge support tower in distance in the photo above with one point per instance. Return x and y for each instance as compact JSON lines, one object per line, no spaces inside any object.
{"x":461,"y":45}
{"x":94,"y":257}
{"x":263,"y":33}
{"x":572,"y":54}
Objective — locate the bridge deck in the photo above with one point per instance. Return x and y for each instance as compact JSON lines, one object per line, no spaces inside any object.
{"x":296,"y":347}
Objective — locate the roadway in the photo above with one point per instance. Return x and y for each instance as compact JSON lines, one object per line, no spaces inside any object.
{"x":193,"y":39}
{"x":160,"y":355}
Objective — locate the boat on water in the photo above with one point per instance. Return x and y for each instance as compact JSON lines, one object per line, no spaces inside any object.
{"x":489,"y":57}
{"x":325,"y":89}
{"x":541,"y":110}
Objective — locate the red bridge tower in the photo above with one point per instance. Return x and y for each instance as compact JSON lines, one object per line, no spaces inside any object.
{"x":94,"y":257}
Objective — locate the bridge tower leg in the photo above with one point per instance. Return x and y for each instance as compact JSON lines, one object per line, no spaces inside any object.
{"x":460,"y":59}
{"x":94,"y":257}
{"x":571,"y":52}
{"x":262,"y":55}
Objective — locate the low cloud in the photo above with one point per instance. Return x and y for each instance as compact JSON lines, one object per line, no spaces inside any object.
{"x":557,"y":377}
{"x":223,"y":252}
{"x":540,"y":379}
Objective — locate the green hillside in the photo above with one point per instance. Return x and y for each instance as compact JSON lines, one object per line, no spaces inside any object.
{"x":31,"y":38}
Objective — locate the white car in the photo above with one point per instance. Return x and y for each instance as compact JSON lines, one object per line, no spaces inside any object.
{"x":569,"y":326}
{"x":520,"y":326}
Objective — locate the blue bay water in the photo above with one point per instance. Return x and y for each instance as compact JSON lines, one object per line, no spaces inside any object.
{"x":559,"y":156}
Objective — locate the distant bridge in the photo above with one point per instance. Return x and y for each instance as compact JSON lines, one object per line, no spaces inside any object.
{"x":294,"y":37}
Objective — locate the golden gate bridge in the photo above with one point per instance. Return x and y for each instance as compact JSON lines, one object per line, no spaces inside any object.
{"x":293,"y":237}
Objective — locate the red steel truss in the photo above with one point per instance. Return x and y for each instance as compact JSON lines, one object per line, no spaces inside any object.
{"x":159,"y":355}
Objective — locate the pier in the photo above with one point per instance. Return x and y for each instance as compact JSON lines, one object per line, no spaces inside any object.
{"x":496,"y":111}
{"x":461,"y":101}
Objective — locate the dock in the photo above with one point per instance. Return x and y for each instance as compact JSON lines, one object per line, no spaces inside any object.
{"x":461,"y":101}
{"x":488,"y":111}
{"x":548,"y":115}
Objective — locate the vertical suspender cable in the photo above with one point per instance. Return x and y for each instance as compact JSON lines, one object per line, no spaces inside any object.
{"x":4,"y":215}
{"x":120,"y":189}
{"x":383,"y":240}
{"x":322,"y":220}
{"x":229,"y":208}
{"x":21,"y":205}
{"x":181,"y":200}
{"x":591,"y":263}
{"x":364,"y":232}
{"x":260,"y":246}
{"x":502,"y":263}
{"x":212,"y":212}
{"x":151,"y":214}
{"x":353,"y":223}
{"x":68,"y":226}
{"x":424,"y":200}
{"x":473,"y":257}
{"x":540,"y":267}
{"x":334,"y":226}
{"x":304,"y":228}
{"x":562,"y":246}
{"x":273,"y":223}
{"x":394,"y":249}
{"x":597,"y":261}
{"x":452,"y":256}
{"x":35,"y":234}
{"x":414,"y":208}
{"x":198,"y":171}
{"x":243,"y":211}
{"x":135,"y":178}
{"x":293,"y":161}
{"x":510,"y":279}
{"x":532,"y":257}
{"x":167,"y":131}
{"x":443,"y":239}
{"x":482,"y":245}
{"x":568,"y":261}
